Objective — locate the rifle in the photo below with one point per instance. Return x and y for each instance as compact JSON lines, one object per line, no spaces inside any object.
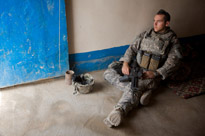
{"x":135,"y":73}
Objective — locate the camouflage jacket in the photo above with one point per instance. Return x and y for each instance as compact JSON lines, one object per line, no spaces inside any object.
{"x":166,"y":45}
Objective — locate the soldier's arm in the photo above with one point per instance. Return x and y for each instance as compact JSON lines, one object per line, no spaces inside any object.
{"x":173,"y":59}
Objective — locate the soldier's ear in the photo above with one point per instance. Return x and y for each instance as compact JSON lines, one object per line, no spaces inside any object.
{"x":167,"y":23}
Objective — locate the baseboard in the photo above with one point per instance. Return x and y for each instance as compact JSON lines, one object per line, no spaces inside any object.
{"x":95,"y":60}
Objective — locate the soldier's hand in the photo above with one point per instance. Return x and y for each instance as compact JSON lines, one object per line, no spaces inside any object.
{"x":125,"y":68}
{"x":148,"y":75}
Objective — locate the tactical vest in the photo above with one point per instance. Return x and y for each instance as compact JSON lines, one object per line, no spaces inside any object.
{"x":153,"y":49}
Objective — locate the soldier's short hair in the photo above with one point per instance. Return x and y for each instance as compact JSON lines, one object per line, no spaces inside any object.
{"x":165,"y":13}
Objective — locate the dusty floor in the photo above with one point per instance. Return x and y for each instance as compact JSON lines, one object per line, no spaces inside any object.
{"x":49,"y":108}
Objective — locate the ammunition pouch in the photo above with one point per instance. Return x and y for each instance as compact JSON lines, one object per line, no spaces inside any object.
{"x":145,"y":60}
{"x":154,"y":62}
{"x":148,"y":60}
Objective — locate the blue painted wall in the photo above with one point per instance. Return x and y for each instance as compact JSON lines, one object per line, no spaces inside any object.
{"x":95,"y":60}
{"x":33,"y":40}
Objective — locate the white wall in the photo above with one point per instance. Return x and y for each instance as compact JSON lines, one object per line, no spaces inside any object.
{"x":100,"y":24}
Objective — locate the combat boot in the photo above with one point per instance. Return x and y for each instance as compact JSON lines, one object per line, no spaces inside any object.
{"x":145,"y":98}
{"x":114,"y":118}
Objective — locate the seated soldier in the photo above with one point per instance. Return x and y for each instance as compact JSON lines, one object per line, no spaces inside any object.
{"x":157,"y":52}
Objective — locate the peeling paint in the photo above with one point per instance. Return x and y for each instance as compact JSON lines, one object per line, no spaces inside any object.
{"x":29,"y":50}
{"x":64,"y":38}
{"x":33,"y":34}
{"x":50,"y":6}
{"x":19,"y":63}
{"x":9,"y":52}
{"x":9,"y":14}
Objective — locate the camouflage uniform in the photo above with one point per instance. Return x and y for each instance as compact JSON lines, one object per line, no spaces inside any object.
{"x":166,"y":45}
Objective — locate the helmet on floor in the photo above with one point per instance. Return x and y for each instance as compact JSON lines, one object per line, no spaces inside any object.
{"x":83,"y":83}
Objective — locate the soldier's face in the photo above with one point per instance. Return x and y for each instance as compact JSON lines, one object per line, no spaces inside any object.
{"x":160,"y":24}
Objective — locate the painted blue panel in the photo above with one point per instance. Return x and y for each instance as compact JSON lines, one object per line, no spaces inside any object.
{"x":33,"y":40}
{"x":95,"y":60}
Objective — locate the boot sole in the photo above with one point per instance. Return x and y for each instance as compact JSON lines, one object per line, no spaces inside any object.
{"x":114,"y":119}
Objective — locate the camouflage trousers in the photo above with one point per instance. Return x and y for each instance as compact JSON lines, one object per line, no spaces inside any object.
{"x":125,"y":102}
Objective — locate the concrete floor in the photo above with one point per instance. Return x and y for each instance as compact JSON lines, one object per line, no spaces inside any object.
{"x":49,"y":108}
